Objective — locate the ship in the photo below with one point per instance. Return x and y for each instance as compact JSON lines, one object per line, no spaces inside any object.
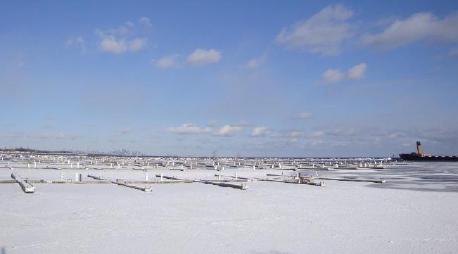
{"x":421,"y":156}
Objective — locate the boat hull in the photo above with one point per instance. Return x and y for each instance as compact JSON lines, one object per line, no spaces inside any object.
{"x":416,"y":157}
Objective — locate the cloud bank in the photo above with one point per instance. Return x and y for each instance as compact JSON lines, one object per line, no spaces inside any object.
{"x":422,"y":26}
{"x":323,"y":33}
{"x":188,"y":129}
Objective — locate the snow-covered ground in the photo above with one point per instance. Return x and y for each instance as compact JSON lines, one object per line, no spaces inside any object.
{"x":416,"y":211}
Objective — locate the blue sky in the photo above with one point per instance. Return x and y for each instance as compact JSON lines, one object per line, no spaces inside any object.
{"x":253,"y":78}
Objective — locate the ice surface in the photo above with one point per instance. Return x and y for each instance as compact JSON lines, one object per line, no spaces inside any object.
{"x":416,"y":211}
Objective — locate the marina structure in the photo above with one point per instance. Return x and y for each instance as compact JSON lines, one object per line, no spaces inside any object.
{"x":421,"y":156}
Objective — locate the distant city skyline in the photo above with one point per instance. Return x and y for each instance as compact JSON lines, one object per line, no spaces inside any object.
{"x":231,"y":78}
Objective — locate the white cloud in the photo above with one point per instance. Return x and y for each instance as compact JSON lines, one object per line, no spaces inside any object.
{"x":121,"y":40}
{"x":317,"y":134}
{"x":354,"y":73}
{"x":137,"y":44}
{"x":204,"y":56}
{"x":255,"y":62}
{"x":166,"y":62}
{"x":304,"y":115}
{"x":112,"y":45}
{"x":357,"y":71}
{"x":323,"y":33}
{"x":260,"y":131}
{"x":419,"y":26}
{"x":76,"y":42}
{"x":229,"y":130}
{"x":188,"y":128}
{"x":191,"y":129}
{"x":295,"y":136}
{"x":145,"y":21}
{"x":333,"y":75}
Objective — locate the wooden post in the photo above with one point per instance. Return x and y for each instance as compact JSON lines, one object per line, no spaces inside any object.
{"x":78,"y":177}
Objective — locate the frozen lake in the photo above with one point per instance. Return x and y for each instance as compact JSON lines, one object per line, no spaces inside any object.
{"x":415,"y":211}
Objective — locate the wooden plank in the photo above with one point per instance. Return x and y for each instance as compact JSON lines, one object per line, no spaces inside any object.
{"x":352,"y":180}
{"x":229,"y":180}
{"x":7,"y":181}
{"x":169,"y":177}
{"x":145,"y":189}
{"x":310,"y":181}
{"x":241,"y":186}
{"x":96,"y":177}
{"x":280,"y":179}
{"x":273,"y":175}
{"x":26,"y":187}
{"x":122,"y":182}
{"x":236,"y":178}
